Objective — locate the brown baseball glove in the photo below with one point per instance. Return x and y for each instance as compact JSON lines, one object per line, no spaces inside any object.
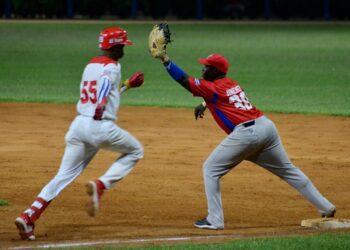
{"x":158,"y":40}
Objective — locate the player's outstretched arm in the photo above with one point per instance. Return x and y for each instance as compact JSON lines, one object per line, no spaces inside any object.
{"x":177,"y":74}
{"x":159,"y":38}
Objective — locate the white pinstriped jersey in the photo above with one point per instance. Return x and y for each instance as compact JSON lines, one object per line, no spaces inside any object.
{"x":101,"y":78}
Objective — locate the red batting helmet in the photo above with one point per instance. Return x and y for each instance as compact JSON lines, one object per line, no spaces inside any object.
{"x":113,"y":36}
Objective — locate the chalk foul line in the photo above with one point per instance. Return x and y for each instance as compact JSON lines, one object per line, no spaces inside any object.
{"x":127,"y":241}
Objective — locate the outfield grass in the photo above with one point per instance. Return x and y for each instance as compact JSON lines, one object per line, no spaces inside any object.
{"x":300,"y":68}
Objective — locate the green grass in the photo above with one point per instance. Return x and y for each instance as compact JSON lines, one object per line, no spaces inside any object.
{"x":317,"y":242}
{"x":4,"y":203}
{"x":301,"y":68}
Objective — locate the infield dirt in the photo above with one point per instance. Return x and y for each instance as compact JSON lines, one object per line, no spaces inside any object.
{"x":164,"y":194}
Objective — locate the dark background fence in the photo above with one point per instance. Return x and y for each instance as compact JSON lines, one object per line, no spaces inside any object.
{"x":178,"y":9}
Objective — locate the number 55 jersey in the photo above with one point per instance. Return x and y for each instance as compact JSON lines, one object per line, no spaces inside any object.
{"x":226,"y":101}
{"x":101,"y":78}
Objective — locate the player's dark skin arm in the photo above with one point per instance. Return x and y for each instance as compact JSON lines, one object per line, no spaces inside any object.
{"x":209,"y":73}
{"x":185,"y":82}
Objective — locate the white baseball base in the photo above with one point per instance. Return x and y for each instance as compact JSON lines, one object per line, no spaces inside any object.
{"x":326,"y":223}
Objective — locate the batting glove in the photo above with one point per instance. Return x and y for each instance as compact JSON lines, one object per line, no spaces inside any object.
{"x":199,"y":110}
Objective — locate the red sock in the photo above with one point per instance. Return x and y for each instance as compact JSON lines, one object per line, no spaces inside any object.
{"x":100,"y":185}
{"x":37,"y":208}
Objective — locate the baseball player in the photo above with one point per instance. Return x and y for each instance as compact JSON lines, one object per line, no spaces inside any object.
{"x":93,"y":129}
{"x":250,"y":136}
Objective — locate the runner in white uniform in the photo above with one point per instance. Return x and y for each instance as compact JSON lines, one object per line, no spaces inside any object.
{"x":93,"y":129}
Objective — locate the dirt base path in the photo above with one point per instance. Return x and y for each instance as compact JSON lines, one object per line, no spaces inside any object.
{"x":164,"y":194}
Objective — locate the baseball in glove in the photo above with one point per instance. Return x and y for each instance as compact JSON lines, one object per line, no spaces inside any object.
{"x":159,"y":38}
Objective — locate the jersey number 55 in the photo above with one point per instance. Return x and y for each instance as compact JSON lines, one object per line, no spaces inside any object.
{"x":88,"y":92}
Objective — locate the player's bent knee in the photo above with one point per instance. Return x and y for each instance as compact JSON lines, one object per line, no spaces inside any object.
{"x":139,"y":152}
{"x":207,"y":169}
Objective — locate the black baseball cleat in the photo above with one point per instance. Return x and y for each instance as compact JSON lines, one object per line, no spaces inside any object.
{"x":330,"y":214}
{"x":204,"y":224}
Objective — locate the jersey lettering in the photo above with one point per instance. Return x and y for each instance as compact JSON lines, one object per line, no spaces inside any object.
{"x":89,"y":92}
{"x":233,"y":91}
{"x":240,"y":101}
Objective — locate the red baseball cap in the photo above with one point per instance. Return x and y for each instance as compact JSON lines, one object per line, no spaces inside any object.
{"x":216,"y":60}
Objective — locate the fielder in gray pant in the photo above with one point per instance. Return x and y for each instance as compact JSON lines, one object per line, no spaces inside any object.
{"x":251,"y":136}
{"x":261,"y":144}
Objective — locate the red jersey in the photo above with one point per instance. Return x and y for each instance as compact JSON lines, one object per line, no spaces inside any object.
{"x":226,"y":101}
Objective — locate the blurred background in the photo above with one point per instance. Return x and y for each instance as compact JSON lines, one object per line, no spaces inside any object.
{"x":177,"y":9}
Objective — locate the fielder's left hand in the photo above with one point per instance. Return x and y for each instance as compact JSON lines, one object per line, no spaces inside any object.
{"x":199,"y":110}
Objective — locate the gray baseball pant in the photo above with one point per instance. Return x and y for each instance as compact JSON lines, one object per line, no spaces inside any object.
{"x":261,"y":144}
